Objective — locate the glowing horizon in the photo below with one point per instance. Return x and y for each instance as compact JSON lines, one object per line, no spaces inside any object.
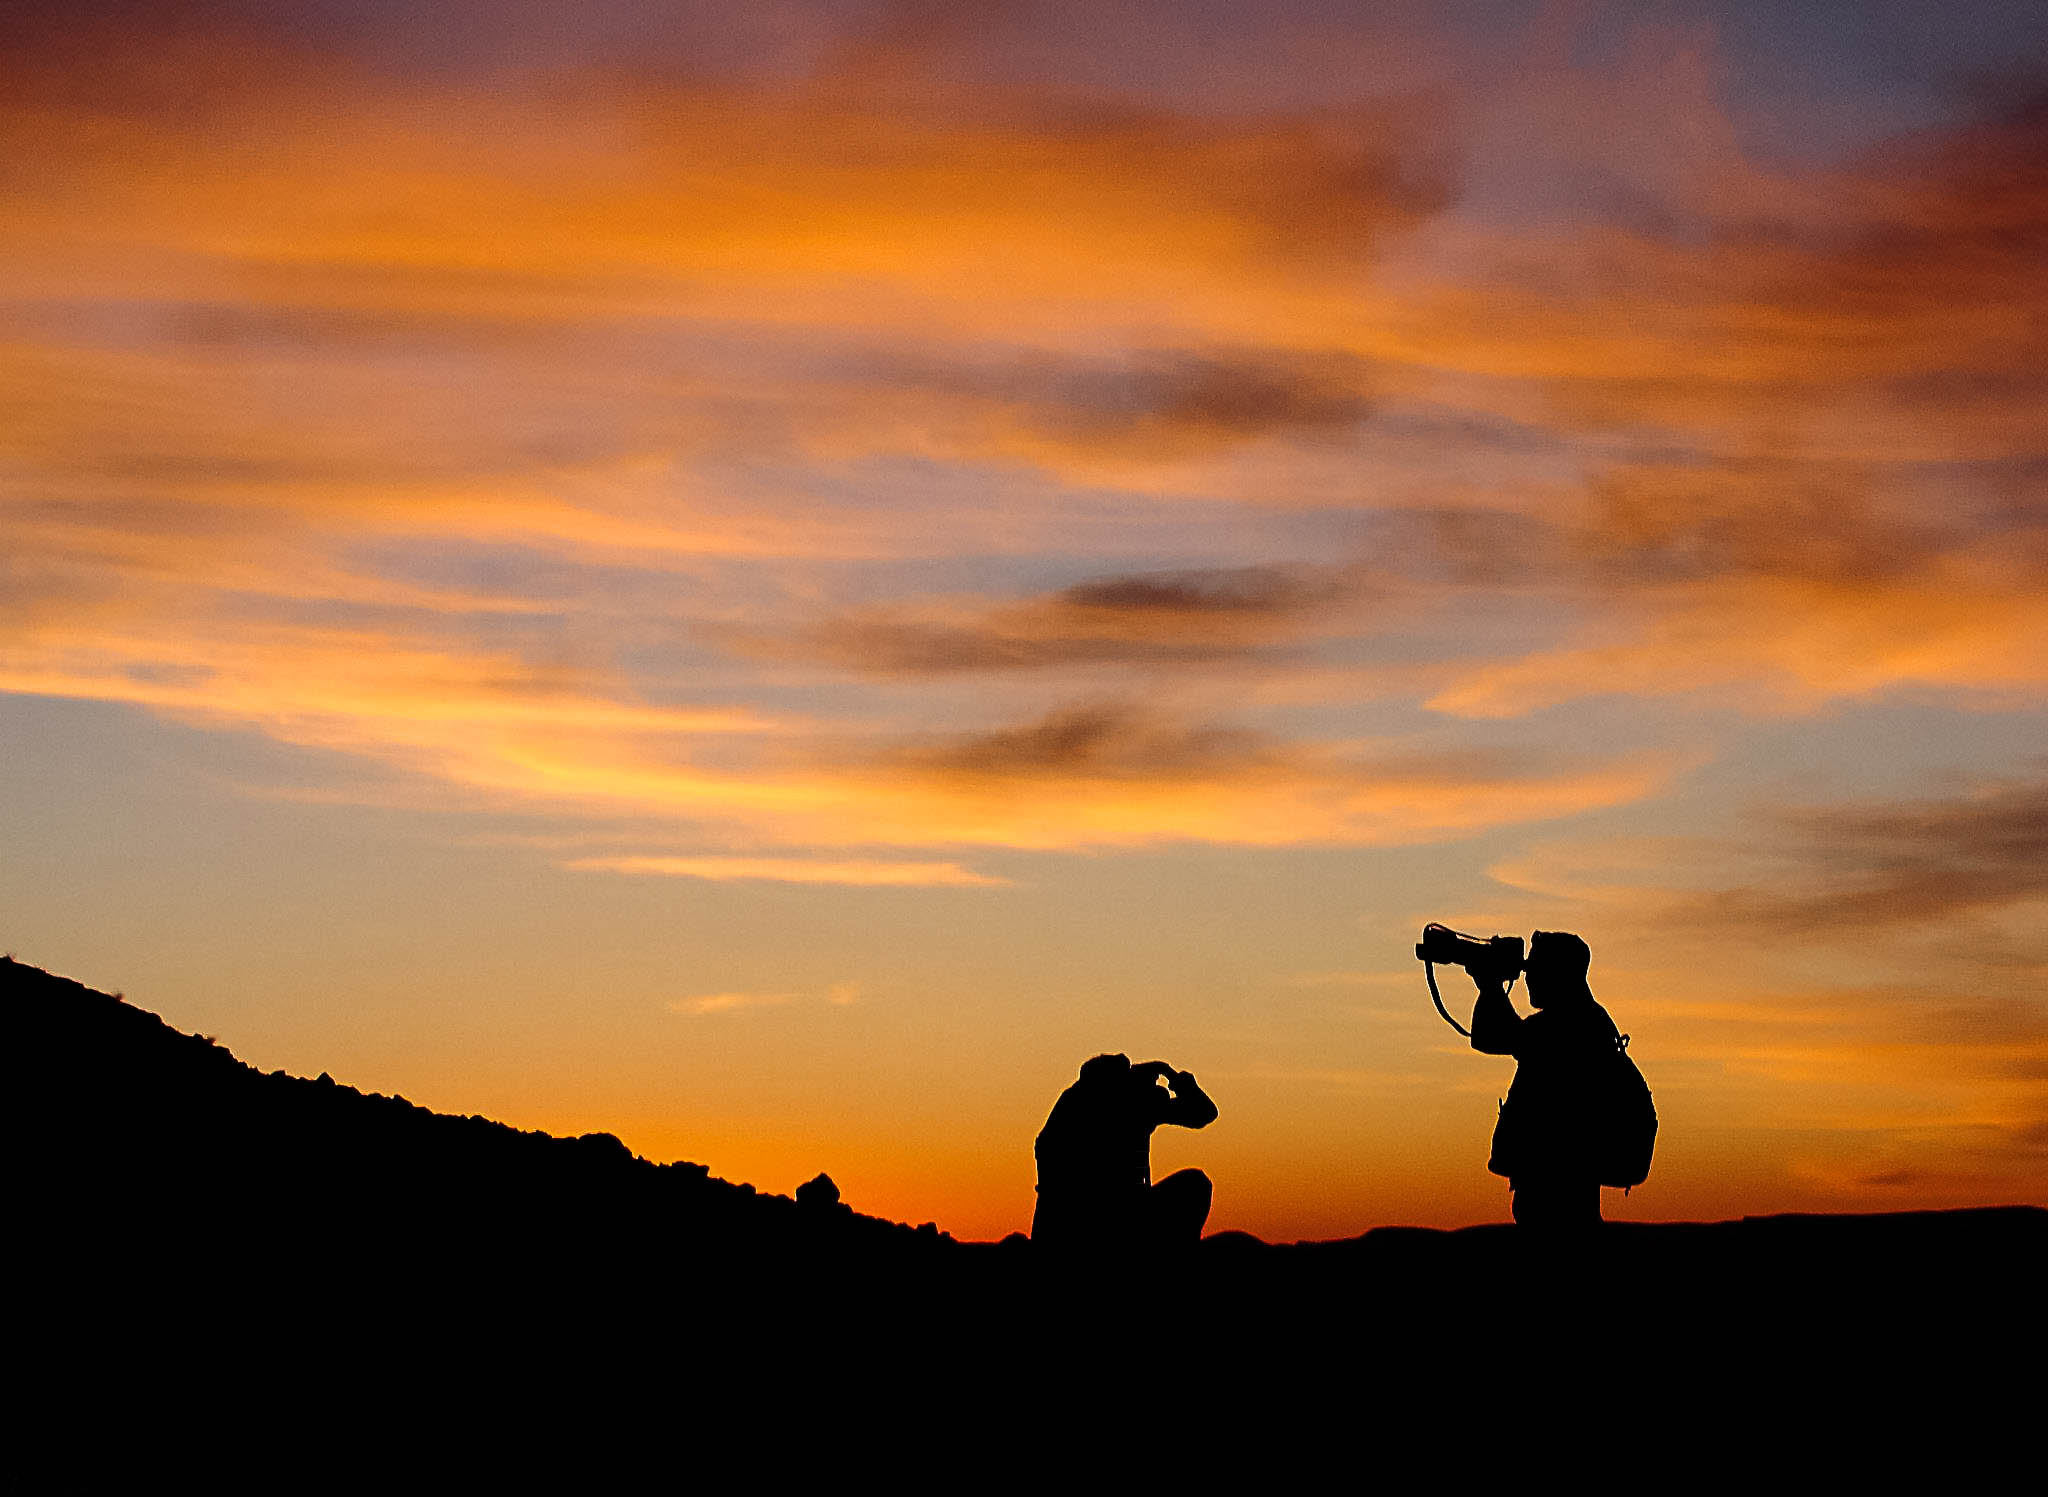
{"x":769,"y":584}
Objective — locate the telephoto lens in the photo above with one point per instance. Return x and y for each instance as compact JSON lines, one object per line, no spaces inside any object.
{"x":1495,"y":956}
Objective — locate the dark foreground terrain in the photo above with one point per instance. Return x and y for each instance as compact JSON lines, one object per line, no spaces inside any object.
{"x":178,"y":1205}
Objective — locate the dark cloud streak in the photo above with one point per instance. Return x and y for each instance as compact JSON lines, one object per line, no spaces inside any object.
{"x":1156,"y":619}
{"x":1097,"y":741}
{"x":1269,"y":591}
{"x":1152,"y":404}
{"x":1872,"y":868}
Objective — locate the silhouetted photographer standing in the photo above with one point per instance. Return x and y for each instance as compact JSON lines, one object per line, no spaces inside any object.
{"x":1551,"y":1142}
{"x":1095,"y":1189}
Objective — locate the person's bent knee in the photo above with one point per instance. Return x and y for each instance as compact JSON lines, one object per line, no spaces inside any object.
{"x":1183,"y":1200}
{"x":1187,"y":1182}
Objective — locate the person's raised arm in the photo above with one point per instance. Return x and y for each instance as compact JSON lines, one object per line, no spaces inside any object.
{"x":1190,"y":1107}
{"x":1496,"y":1027}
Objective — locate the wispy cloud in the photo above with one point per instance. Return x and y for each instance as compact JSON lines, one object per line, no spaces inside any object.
{"x":1849,"y":872}
{"x":725,"y":1003}
{"x":864,"y":873}
{"x":1856,"y":868}
{"x":837,"y":995}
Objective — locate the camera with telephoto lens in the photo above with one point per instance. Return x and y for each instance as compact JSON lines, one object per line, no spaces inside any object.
{"x":1492,"y":957}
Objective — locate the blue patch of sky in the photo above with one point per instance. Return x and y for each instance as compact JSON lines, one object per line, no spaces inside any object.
{"x":498,"y":570}
{"x":1903,"y":744}
{"x":1861,"y":67}
{"x":1887,"y":65}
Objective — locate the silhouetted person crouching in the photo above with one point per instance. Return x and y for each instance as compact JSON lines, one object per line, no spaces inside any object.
{"x":1551,"y":1140}
{"x":1095,"y":1190}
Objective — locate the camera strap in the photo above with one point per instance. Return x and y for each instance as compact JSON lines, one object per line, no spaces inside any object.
{"x":1429,"y":971}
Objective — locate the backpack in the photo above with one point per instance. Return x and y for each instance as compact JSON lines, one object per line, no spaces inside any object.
{"x":1616,"y":1126}
{"x":1629,"y":1133}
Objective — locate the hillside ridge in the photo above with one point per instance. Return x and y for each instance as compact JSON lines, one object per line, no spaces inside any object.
{"x":140,"y":1122}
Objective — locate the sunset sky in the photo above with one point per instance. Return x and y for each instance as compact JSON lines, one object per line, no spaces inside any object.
{"x":768,"y":577}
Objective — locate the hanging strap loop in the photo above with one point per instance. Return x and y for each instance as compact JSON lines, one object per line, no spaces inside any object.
{"x":1429,"y":971}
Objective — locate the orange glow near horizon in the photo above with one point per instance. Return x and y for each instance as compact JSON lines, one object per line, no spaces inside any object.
{"x":772,"y":606}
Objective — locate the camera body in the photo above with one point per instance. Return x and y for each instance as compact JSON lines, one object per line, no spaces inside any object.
{"x":1495,"y":957}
